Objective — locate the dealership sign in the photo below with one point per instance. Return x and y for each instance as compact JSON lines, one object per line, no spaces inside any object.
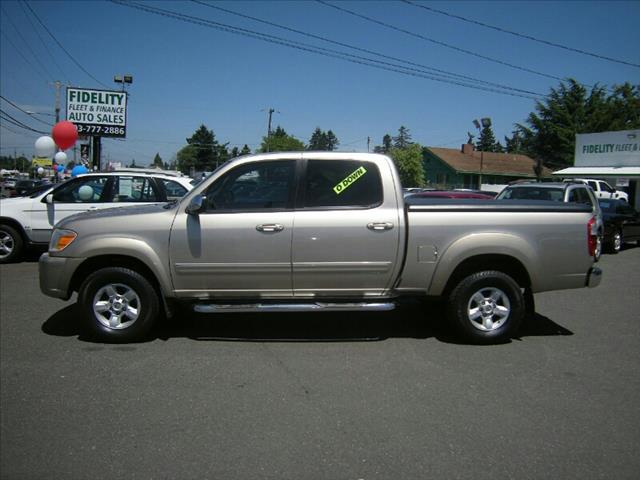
{"x":100,"y":113}
{"x":608,"y":149}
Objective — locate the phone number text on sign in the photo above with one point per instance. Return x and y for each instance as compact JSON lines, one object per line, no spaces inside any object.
{"x":101,"y":130}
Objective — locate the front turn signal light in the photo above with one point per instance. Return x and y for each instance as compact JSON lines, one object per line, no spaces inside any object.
{"x":61,"y":239}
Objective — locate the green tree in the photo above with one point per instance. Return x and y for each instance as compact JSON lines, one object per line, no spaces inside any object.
{"x":487,"y":140}
{"x":15,"y":163}
{"x":408,"y":160}
{"x":332,"y":141}
{"x":202,"y":152}
{"x":513,"y":144}
{"x":386,"y":145}
{"x":317,"y":140}
{"x":235,"y":152}
{"x":157,"y":161}
{"x":403,"y":139}
{"x":323,"y":141}
{"x":280,"y":141}
{"x":186,"y":158}
{"x":624,"y":107}
{"x":245,"y":150}
{"x":549,"y":132}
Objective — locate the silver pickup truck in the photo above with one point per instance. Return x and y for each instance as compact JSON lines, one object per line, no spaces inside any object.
{"x":317,"y":231}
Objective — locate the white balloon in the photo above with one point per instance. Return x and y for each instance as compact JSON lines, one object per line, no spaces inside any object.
{"x":45,"y":147}
{"x":60,"y":158}
{"x":40,"y":170}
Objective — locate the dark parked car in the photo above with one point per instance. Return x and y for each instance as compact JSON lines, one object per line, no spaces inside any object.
{"x":451,"y":194}
{"x":621,"y":224}
{"x":27,"y":187}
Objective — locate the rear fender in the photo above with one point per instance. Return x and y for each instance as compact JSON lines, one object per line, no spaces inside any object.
{"x":478,"y":244}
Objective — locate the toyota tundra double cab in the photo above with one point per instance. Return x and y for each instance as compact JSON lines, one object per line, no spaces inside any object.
{"x":317,"y":231}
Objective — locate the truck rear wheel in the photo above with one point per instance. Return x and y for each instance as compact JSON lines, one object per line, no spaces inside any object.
{"x":119,"y":305}
{"x":487,"y":307}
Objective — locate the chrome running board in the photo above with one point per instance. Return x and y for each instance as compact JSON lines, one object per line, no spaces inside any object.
{"x":293,"y":307}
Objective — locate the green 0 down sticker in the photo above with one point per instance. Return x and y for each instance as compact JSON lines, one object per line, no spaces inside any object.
{"x":347,"y":182}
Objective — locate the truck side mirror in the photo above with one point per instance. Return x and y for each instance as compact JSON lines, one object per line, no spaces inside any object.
{"x":195,"y":205}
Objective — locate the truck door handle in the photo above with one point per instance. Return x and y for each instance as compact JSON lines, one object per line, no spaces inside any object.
{"x":270,"y":227}
{"x":380,"y":226}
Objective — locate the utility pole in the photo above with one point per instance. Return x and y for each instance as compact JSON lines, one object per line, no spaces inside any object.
{"x":58,"y":85}
{"x":271,"y":111}
{"x":368,"y":143}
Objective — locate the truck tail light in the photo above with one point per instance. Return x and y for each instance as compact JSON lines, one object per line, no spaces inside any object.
{"x":592,"y":236}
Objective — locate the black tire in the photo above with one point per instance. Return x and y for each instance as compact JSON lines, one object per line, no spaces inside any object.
{"x":495,"y":293}
{"x":119,"y":305}
{"x":614,"y":243}
{"x":599,"y":247}
{"x":617,"y":242}
{"x":11,"y":244}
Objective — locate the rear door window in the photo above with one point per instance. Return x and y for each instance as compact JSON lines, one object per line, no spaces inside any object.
{"x":135,"y":189}
{"x":342,"y":184}
{"x":173,"y":189}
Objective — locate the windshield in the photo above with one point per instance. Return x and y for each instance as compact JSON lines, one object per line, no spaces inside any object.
{"x":532,"y":193}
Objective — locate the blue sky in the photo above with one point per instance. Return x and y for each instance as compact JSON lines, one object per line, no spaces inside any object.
{"x":187,"y":74}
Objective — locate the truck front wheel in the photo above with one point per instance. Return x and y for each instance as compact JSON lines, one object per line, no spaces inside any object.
{"x":119,"y":305}
{"x":487,"y":307}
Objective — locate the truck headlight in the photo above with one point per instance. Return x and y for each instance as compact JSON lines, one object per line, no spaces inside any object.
{"x":61,"y":239}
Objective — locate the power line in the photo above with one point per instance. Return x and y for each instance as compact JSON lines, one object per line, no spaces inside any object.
{"x":438,"y":42}
{"x":62,"y":47}
{"x":310,"y":48}
{"x":25,"y":43}
{"x":14,"y":121}
{"x":44,"y":44}
{"x":13,"y":131}
{"x":521,"y":35}
{"x":23,"y":57}
{"x":325,"y":39}
{"x":31,"y":114}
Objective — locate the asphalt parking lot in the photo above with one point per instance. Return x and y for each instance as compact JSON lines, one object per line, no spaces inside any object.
{"x":324,"y":396}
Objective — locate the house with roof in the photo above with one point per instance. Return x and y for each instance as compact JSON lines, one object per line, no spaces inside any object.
{"x":469,"y":168}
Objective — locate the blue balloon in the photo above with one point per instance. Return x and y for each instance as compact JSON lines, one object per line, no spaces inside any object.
{"x":78,"y":170}
{"x":60,"y":168}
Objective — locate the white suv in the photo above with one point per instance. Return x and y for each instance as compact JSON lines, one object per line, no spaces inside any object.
{"x":29,"y":220}
{"x":602,"y":189}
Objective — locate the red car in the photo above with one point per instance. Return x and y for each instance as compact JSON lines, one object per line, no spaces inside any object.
{"x":452,"y":194}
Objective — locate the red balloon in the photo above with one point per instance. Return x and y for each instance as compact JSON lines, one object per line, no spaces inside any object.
{"x":64,"y":134}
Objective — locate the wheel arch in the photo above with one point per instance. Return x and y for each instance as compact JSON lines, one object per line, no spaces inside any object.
{"x":506,"y":264}
{"x":96,"y":263}
{"x":10,"y":222}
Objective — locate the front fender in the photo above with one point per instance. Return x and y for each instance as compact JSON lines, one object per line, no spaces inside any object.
{"x":133,"y":247}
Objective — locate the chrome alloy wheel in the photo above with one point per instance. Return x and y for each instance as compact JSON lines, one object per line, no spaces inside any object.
{"x":488,"y":309}
{"x":617,"y":241}
{"x":6,"y":244}
{"x":116,"y":306}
